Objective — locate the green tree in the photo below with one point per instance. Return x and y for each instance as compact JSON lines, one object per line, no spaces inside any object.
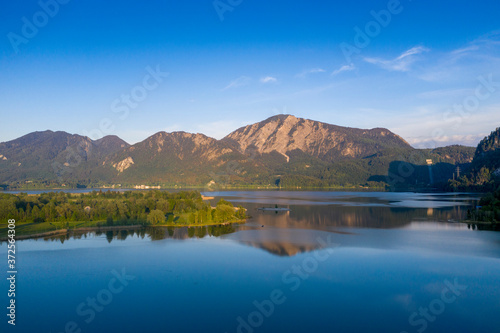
{"x":156,"y":217}
{"x":224,"y":202}
{"x":241,"y":213}
{"x":223,"y":213}
{"x":35,"y":214}
{"x":109,"y":221}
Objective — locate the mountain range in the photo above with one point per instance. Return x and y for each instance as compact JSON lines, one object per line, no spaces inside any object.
{"x":281,"y":151}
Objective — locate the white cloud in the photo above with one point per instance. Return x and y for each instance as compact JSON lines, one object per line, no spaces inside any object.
{"x":268,"y":79}
{"x":402,"y":63}
{"x":432,"y":126}
{"x":345,"y":68}
{"x":241,"y":81}
{"x":310,"y":71}
{"x":465,"y":140}
{"x":464,"y":50}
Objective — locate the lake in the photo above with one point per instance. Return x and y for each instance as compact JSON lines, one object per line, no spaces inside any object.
{"x":336,"y":262}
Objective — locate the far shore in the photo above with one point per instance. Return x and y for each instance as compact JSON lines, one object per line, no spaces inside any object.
{"x":205,"y":188}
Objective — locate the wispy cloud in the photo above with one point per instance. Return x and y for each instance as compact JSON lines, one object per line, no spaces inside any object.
{"x":241,"y":81}
{"x":268,"y":79}
{"x":465,"y":50}
{"x":310,"y":71}
{"x":481,"y":43}
{"x":345,"y":68}
{"x":478,"y":56}
{"x":402,"y":63}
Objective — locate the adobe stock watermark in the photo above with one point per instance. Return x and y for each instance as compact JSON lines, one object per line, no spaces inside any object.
{"x":371,"y":30}
{"x":121,"y":107}
{"x":455,"y":116}
{"x":292,"y":279}
{"x":31,"y":26}
{"x":129,"y":101}
{"x":470,"y":104}
{"x":88,"y":309}
{"x":223,"y":6}
{"x":420,"y":320}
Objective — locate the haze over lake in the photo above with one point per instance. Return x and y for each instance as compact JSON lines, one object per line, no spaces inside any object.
{"x":336,"y":262}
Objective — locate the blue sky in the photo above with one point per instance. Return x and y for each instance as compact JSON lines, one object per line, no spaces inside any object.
{"x":430,"y":71}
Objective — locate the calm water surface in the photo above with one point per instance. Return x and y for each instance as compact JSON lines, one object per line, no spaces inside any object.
{"x":337,"y":262}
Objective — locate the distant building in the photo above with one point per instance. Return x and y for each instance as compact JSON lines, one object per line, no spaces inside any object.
{"x":429,"y":164}
{"x":146,"y":187}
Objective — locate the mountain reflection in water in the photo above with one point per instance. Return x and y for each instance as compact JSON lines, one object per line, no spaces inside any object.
{"x":344,"y":216}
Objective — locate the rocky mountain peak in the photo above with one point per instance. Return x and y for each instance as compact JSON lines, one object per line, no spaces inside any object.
{"x":286,"y":133}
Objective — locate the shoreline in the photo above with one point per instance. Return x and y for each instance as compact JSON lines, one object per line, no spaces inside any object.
{"x":112,"y":228}
{"x":67,"y":231}
{"x":38,"y":235}
{"x":197,"y":225}
{"x":479,"y":222}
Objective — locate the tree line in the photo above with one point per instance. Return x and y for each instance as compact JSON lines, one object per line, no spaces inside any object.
{"x":154,"y":207}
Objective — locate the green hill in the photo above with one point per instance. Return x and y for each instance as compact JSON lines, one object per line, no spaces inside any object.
{"x":484,"y":172}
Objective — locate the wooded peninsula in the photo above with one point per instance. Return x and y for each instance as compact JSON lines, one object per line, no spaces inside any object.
{"x":52,"y":211}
